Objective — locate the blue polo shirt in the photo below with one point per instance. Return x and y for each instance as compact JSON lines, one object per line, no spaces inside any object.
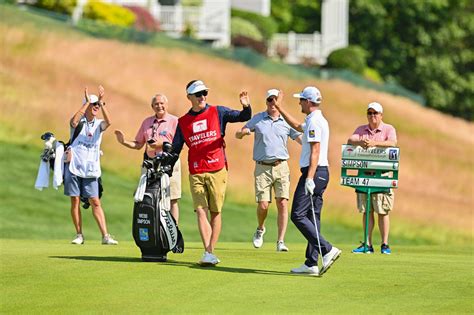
{"x":271,"y":137}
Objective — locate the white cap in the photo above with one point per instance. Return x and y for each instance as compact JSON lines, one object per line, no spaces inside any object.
{"x":272,"y":92}
{"x":197,"y":86}
{"x":375,"y":106}
{"x":311,"y":94}
{"x":92,"y":99}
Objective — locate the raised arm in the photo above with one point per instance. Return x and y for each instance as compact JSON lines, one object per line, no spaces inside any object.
{"x":78,"y":115}
{"x":106,"y":124}
{"x":295,"y":124}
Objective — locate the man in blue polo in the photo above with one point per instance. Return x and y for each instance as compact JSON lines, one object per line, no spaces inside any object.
{"x":308,"y":197}
{"x":270,"y":153}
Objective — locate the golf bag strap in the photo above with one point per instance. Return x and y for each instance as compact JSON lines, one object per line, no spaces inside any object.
{"x":77,"y":130}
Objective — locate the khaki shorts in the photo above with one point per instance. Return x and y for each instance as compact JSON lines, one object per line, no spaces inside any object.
{"x":267,"y":176}
{"x":381,"y":203}
{"x":175,"y":181}
{"x":208,"y":189}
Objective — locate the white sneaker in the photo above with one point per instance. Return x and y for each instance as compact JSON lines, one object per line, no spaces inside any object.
{"x":79,"y":240}
{"x":281,"y":247}
{"x":108,"y":240}
{"x":209,"y":259}
{"x":303,"y":269}
{"x":258,"y":238}
{"x":330,"y":258}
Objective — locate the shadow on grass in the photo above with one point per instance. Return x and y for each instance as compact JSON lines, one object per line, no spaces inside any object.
{"x":191,"y":265}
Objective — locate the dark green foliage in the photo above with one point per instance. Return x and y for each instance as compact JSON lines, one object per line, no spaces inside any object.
{"x":351,"y":57}
{"x":265,"y":24}
{"x":424,"y":45}
{"x":300,"y":16}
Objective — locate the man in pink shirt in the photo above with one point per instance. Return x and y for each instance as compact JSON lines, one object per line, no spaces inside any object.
{"x":375,"y":134}
{"x":155,"y":130}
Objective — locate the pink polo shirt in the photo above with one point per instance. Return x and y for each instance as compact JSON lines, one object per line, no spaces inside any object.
{"x":162,"y":129}
{"x":383,"y":133}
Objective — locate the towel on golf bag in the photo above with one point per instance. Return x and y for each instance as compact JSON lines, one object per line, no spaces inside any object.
{"x":42,"y":179}
{"x":165,"y":200}
{"x":140,"y":192}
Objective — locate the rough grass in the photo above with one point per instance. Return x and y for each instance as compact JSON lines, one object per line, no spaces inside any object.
{"x":43,"y":73}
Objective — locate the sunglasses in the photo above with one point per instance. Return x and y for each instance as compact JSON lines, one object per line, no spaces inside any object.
{"x":96,"y":104}
{"x":201,"y":93}
{"x":372,"y":113}
{"x":271,"y":99}
{"x":302,"y":99}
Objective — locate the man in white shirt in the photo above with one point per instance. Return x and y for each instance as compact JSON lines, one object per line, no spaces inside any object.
{"x":308,"y":197}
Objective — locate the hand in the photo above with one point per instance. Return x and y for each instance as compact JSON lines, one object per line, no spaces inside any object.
{"x":244,"y":98}
{"x":309,"y":186}
{"x":101,"y":92}
{"x":119,"y":135}
{"x":86,"y":95}
{"x":279,"y":99}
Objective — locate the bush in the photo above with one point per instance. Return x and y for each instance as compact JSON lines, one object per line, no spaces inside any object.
{"x":241,"y":27}
{"x":372,"y":75}
{"x":109,"y":13}
{"x":64,"y":6}
{"x":353,"y":58}
{"x":242,"y":41}
{"x":265,"y":24}
{"x":144,"y":21}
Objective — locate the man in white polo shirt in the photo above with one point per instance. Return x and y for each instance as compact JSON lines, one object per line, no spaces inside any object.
{"x":308,"y":197}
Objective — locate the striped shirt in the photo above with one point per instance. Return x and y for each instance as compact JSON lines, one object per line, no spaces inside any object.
{"x":384,"y":132}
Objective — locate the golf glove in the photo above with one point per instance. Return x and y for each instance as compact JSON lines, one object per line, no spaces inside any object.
{"x":309,"y":186}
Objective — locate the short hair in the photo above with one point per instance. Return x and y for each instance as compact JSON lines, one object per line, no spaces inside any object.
{"x":158,"y":95}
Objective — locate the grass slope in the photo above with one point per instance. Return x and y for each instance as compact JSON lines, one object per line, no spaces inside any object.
{"x":55,"y":277}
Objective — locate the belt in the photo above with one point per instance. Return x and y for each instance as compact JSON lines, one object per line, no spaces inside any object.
{"x":275,"y":163}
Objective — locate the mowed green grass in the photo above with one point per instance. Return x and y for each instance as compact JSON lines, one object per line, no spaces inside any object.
{"x":57,"y":277}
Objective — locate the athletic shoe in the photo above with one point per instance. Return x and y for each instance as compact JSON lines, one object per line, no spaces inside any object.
{"x":303,"y":269}
{"x":281,"y":247}
{"x":79,"y":240}
{"x":258,"y":238}
{"x":385,"y":249}
{"x":208,"y":259}
{"x":330,"y":258}
{"x":360,"y":250}
{"x":108,"y":240}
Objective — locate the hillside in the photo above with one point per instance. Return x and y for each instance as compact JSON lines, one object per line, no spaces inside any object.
{"x":43,"y":72}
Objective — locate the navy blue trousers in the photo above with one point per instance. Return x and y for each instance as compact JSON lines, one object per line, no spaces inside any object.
{"x":302,"y":214}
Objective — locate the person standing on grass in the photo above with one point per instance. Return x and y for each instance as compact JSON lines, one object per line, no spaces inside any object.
{"x":154,"y":130}
{"x":82,"y":169}
{"x":308,"y":197}
{"x":375,"y":134}
{"x":203,"y":131}
{"x":270,"y":153}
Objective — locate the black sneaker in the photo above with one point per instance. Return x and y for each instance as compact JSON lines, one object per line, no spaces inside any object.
{"x":361,"y":250}
{"x":385,"y":249}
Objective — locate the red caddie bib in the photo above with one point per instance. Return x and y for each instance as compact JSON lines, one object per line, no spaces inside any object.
{"x":202,"y":134}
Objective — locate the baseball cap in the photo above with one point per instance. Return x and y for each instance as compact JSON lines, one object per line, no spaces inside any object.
{"x":197,"y":86}
{"x":375,"y":106}
{"x":311,"y":94}
{"x":92,"y":99}
{"x":272,"y":92}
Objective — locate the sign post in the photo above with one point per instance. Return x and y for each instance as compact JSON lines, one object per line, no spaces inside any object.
{"x":369,"y":171}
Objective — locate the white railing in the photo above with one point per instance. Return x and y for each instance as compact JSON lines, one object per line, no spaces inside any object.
{"x":298,"y":48}
{"x":209,"y":22}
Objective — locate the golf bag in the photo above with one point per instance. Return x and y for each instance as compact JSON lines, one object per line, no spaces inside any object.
{"x":154,"y":229}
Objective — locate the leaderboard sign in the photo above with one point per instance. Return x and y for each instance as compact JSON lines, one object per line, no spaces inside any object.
{"x":374,"y":167}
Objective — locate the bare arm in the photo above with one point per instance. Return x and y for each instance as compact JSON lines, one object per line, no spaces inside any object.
{"x":105,"y":112}
{"x":77,"y":116}
{"x":313,"y":159}
{"x":129,"y":144}
{"x":295,"y":124}
{"x":299,"y":139}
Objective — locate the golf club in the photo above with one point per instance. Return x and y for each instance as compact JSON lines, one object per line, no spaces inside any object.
{"x":317,"y":232}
